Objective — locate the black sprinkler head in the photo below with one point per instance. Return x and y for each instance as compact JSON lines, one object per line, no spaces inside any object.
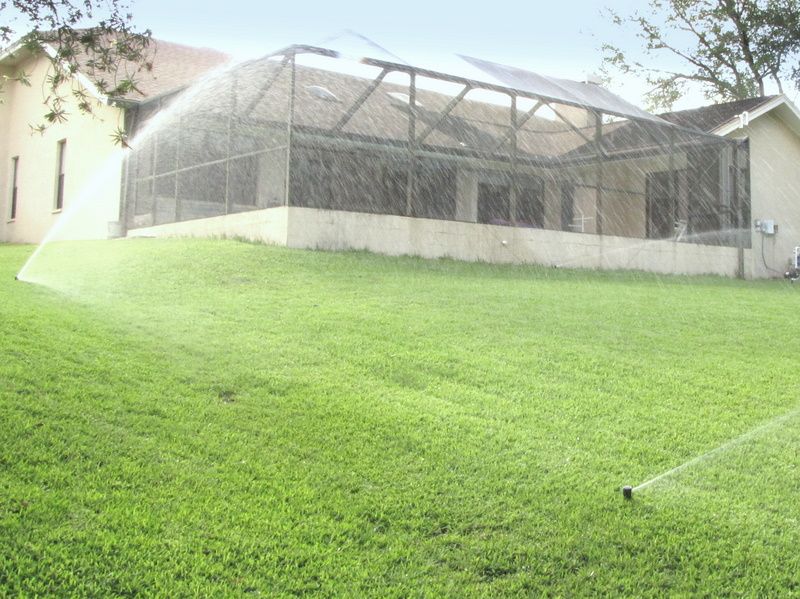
{"x":627,"y":492}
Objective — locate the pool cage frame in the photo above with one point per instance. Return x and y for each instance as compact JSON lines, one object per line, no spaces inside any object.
{"x":596,"y":152}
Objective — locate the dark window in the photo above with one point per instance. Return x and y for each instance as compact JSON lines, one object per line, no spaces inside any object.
{"x":567,"y":206}
{"x":394,"y":184}
{"x":493,"y":206}
{"x":200,"y":191}
{"x":353,"y":181}
{"x":62,"y":147}
{"x":243,"y":181}
{"x":14,"y":170}
{"x":435,"y":191}
{"x":530,"y":205}
{"x":705,"y":210}
{"x":661,"y":204}
{"x":312,"y":177}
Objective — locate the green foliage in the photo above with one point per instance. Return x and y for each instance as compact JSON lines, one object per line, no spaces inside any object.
{"x":214,"y":418}
{"x":111,"y":53}
{"x":732,"y":48}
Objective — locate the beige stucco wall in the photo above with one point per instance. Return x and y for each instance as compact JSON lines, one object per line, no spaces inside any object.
{"x":5,"y":158}
{"x":398,"y":235}
{"x":775,"y":192}
{"x":91,"y":161}
{"x":269,"y":226}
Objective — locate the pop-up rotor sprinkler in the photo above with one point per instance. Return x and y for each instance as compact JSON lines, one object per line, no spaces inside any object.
{"x":627,"y":492}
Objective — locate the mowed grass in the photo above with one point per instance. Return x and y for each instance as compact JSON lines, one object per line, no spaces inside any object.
{"x":217,"y":418}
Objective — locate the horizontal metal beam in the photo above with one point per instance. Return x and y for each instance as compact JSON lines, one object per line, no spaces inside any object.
{"x":474,"y":83}
{"x":295,"y":49}
{"x":510,"y":91}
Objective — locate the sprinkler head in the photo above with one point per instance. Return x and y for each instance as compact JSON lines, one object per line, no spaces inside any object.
{"x":627,"y":492}
{"x":16,"y":277}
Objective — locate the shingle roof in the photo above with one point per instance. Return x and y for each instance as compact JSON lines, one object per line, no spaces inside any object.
{"x":709,"y":118}
{"x":174,"y":67}
{"x":472,"y":125}
{"x":258,"y":90}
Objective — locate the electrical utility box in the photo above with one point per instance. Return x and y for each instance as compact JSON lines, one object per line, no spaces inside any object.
{"x":765,"y":226}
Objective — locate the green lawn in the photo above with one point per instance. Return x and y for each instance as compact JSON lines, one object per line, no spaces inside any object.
{"x":219,"y":418}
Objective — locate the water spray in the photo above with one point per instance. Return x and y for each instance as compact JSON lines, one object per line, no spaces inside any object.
{"x":113,"y":164}
{"x":627,"y":491}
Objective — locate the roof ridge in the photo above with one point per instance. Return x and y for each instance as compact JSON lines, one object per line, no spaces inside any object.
{"x":189,"y":47}
{"x":763,"y":100}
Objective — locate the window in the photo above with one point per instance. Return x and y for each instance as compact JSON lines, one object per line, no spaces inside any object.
{"x":567,"y":206}
{"x":12,"y":214}
{"x":662,"y":206}
{"x":493,"y":204}
{"x":435,"y":194}
{"x":530,"y":204}
{"x":62,"y":146}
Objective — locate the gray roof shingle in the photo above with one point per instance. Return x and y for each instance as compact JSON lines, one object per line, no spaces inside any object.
{"x":709,"y":118}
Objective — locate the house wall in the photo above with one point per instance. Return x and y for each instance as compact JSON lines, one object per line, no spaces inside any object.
{"x":398,"y":235}
{"x":268,"y":225}
{"x":5,"y":158}
{"x":774,"y":191}
{"x":91,"y":161}
{"x":311,"y":228}
{"x":624,"y":205}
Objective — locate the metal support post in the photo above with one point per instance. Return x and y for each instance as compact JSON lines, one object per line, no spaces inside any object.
{"x":177,"y":167}
{"x":289,"y":128}
{"x":411,"y":182}
{"x":513,"y":189}
{"x":231,"y":112}
{"x":598,"y":141}
{"x":672,"y":190}
{"x":737,"y":204}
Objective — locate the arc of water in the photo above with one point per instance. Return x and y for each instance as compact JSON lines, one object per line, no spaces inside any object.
{"x":770,"y":424}
{"x":95,"y":185}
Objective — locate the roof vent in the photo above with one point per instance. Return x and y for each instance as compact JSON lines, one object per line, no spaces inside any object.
{"x":322,"y":93}
{"x":401,"y":99}
{"x":594,"y":79}
{"x":744,"y":119}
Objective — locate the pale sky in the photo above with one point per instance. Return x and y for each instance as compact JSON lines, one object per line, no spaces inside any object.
{"x":559,"y":38}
